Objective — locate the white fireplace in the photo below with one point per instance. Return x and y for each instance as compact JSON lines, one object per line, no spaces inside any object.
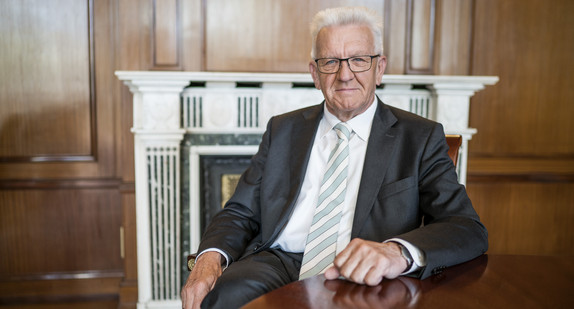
{"x":223,"y":114}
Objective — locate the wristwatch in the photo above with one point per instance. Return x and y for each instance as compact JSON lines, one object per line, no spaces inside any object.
{"x":193,"y":257}
{"x":191,"y":261}
{"x":406,"y":255}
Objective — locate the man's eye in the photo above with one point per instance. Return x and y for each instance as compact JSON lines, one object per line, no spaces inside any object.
{"x":358,"y":60}
{"x":331,"y":62}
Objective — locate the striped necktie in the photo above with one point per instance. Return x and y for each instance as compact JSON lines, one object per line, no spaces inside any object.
{"x":321,"y":244}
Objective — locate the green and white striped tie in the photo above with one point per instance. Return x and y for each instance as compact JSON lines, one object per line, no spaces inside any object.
{"x":321,"y":244}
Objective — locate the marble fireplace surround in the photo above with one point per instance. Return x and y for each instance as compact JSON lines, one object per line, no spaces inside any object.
{"x":180,"y":116}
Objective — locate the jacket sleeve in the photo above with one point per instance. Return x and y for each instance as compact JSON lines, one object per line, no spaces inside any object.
{"x":451,"y":232}
{"x":238,"y":224}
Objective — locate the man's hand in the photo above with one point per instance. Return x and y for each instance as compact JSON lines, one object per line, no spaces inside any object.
{"x":368,"y":262}
{"x":201,"y":279}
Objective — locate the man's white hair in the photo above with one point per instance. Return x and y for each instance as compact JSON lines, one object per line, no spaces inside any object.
{"x":348,"y":16}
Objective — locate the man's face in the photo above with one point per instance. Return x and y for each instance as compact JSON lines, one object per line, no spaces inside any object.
{"x":346,"y":93}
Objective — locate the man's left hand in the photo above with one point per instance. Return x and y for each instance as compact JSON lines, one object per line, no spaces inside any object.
{"x":368,"y":262}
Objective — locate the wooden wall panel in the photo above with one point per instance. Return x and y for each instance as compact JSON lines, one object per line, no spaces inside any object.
{"x":128,"y":288}
{"x":101,"y":163}
{"x":395,"y":21}
{"x":239,"y":42}
{"x":60,"y":245}
{"x":192,"y":14}
{"x":134,"y":52}
{"x":134,"y":23}
{"x":58,"y":222}
{"x":526,"y":217}
{"x":521,"y":162}
{"x":81,"y":293}
{"x":528,"y":44}
{"x":46,"y":91}
{"x":453,"y":37}
{"x":268,"y":36}
{"x":166,"y":41}
{"x":420,"y":36}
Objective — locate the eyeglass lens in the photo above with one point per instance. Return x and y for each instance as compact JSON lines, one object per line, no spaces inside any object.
{"x":356,"y":64}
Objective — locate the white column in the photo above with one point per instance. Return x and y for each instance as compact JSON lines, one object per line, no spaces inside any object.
{"x":452,"y":110}
{"x":157,"y":137}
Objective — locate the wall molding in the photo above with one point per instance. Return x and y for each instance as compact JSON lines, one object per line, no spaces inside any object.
{"x":39,"y":184}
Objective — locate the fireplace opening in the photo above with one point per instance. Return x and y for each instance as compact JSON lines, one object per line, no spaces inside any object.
{"x":219,"y":177}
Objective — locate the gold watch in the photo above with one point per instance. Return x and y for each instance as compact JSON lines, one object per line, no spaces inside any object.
{"x":191,"y":261}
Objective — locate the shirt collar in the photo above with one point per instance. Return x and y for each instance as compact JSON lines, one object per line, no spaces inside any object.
{"x":361,"y":124}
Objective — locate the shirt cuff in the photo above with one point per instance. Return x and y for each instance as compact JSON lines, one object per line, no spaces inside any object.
{"x":216,"y":250}
{"x":419,"y":259}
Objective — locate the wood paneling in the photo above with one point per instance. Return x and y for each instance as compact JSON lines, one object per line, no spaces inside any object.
{"x":192,"y":15}
{"x":273,"y":36}
{"x":521,"y":162}
{"x":453,"y":37}
{"x":267,"y":36}
{"x":420,"y":36}
{"x":526,"y":217}
{"x":46,"y":90}
{"x":512,"y":166}
{"x":95,"y":304}
{"x":102,"y":163}
{"x":70,"y":293}
{"x":166,"y":35}
{"x":528,"y":44}
{"x":58,"y":222}
{"x":129,"y":285}
{"x":60,"y":244}
{"x":395,"y":22}
{"x":134,"y":22}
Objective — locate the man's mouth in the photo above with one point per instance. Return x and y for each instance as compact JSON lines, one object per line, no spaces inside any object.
{"x":345,"y":89}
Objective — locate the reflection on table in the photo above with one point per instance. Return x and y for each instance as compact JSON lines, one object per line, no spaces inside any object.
{"x":489,"y":281}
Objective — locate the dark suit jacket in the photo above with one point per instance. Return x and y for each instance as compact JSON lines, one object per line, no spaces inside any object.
{"x":407,"y":178}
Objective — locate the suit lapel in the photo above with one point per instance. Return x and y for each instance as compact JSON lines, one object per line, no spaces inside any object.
{"x":300,"y":145}
{"x":380,"y":150}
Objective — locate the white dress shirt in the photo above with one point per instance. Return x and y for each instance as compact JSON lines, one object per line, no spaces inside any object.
{"x":294,"y":236}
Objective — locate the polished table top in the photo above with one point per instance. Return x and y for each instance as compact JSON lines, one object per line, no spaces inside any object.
{"x":489,"y":281}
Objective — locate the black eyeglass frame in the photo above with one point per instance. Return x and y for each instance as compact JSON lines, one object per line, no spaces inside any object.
{"x":346,"y":59}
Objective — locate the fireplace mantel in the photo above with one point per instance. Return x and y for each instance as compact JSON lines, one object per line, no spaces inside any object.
{"x":167,"y":106}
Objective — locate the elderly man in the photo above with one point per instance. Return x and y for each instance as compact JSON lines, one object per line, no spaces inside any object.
{"x":349,"y":188}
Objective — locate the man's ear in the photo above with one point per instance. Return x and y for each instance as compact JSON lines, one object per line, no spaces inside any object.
{"x":381,"y":65}
{"x":314,"y":74}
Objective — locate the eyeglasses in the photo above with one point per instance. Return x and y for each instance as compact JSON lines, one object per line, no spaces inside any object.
{"x":356,"y":64}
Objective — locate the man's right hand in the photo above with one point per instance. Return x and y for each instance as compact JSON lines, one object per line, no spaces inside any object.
{"x":201,"y":279}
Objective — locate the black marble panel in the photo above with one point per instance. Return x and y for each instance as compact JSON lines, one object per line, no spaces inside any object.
{"x":212,"y":169}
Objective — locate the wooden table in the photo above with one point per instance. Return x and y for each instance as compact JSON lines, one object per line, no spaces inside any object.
{"x":489,"y":281}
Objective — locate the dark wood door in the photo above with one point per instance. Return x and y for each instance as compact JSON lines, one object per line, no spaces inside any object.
{"x":60,"y":185}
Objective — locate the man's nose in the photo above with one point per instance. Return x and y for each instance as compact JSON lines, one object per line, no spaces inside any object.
{"x":345,"y":72}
